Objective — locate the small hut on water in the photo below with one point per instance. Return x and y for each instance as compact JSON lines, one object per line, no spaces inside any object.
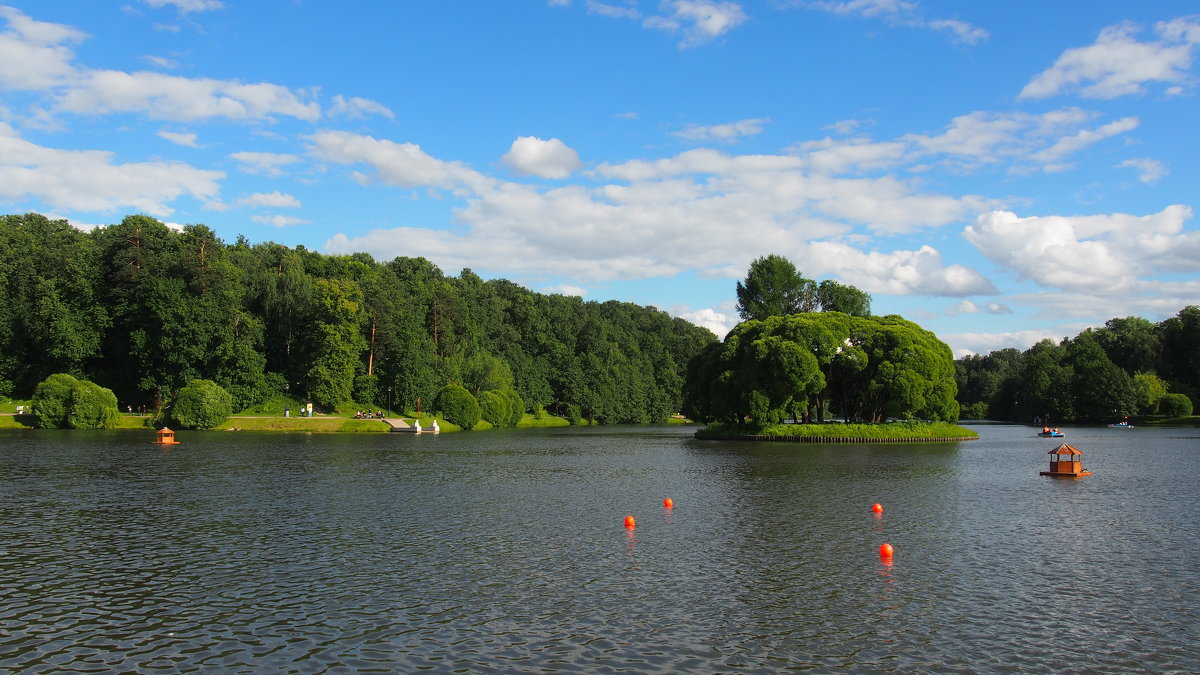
{"x":166,"y":437}
{"x":1066,"y":463}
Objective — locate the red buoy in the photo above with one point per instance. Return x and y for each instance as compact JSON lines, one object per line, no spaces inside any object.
{"x":885,"y":550}
{"x":877,"y":507}
{"x":669,"y":503}
{"x":630,"y":523}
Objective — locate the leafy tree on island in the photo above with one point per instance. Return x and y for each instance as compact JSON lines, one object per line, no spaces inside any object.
{"x":863,"y":368}
{"x":773,"y":287}
{"x":835,"y":297}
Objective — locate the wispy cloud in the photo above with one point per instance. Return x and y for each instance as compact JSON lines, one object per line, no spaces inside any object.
{"x":264,"y":163}
{"x":1150,"y":171}
{"x":725,"y":133}
{"x":184,"y":139}
{"x":187,"y":5}
{"x":613,"y":11}
{"x":698,"y":22}
{"x":1117,"y":64}
{"x":278,"y":220}
{"x":355,"y":107}
{"x":897,"y":12}
{"x":274,"y":199}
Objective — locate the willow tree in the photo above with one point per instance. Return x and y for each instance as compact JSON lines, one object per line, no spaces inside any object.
{"x":865,"y":368}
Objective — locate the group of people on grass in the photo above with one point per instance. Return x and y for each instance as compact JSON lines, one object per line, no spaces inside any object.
{"x":367,"y":415}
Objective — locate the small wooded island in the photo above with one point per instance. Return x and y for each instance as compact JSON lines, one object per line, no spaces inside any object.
{"x":808,"y":352}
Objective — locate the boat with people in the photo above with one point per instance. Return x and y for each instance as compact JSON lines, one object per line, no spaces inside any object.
{"x":1047,"y":432}
{"x":1120,"y":425}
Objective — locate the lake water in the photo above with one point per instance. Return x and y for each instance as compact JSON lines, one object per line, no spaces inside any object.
{"x":505,"y":551}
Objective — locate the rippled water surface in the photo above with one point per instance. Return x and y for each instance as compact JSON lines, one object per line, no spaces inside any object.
{"x":505,"y":551}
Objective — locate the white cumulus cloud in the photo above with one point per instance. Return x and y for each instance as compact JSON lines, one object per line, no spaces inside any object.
{"x":718,"y":322}
{"x":1103,"y":255}
{"x":399,"y":164}
{"x":90,"y":180}
{"x":534,"y":156}
{"x":34,"y":53}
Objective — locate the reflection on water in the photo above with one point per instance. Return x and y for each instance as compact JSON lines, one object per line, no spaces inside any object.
{"x":238,"y":552}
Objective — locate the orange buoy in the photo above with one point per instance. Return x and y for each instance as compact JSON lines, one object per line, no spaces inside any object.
{"x":885,"y":550}
{"x":877,"y":507}
{"x":630,"y":522}
{"x":669,"y":503}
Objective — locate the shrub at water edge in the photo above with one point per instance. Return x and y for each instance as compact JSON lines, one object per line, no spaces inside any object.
{"x":494,"y":408}
{"x":63,"y":402}
{"x":458,"y":406}
{"x":516,"y":407}
{"x":92,"y":407}
{"x":201,"y":404}
{"x":1175,"y":405}
{"x":52,"y":400}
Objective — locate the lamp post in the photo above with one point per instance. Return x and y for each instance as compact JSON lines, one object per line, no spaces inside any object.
{"x":389,"y":401}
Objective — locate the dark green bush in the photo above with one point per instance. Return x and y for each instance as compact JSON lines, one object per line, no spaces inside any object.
{"x":975,"y":411}
{"x":458,"y":406}
{"x":201,"y":404}
{"x":1175,"y":405}
{"x":494,"y":408}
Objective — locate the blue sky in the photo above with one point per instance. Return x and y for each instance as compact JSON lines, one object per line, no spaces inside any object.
{"x":997,"y":172}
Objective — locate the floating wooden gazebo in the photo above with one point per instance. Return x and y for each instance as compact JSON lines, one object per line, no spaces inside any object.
{"x":166,"y":437}
{"x":1066,"y":463}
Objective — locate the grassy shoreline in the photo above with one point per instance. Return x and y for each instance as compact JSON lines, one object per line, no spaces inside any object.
{"x":895,"y":432}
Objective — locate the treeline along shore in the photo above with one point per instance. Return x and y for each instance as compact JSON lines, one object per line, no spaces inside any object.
{"x":143,"y":310}
{"x":1130,"y":367}
{"x":141,"y":317}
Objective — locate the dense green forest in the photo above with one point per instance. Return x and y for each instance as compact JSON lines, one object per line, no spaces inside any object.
{"x":1130,"y":366}
{"x":142,"y":309}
